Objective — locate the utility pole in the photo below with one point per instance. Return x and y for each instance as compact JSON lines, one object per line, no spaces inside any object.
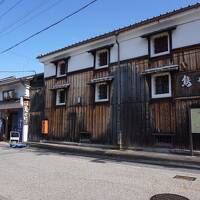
{"x":119,"y":131}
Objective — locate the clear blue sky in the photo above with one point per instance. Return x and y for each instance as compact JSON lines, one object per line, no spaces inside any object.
{"x":31,"y":16}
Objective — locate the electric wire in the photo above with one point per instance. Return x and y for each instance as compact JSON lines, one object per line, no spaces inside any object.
{"x":48,"y":27}
{"x":10,"y":9}
{"x":31,"y":18}
{"x":28,"y":13}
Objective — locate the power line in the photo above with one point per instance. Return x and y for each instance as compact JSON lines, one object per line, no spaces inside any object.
{"x":48,"y":27}
{"x":30,"y":19}
{"x":11,"y":8}
{"x":23,"y":17}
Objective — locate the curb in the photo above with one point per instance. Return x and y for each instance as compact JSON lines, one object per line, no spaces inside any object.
{"x":120,"y":155}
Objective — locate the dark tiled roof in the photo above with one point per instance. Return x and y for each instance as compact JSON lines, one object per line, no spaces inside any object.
{"x":126,"y":28}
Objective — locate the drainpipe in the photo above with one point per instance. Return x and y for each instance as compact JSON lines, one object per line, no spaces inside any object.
{"x":119,"y":131}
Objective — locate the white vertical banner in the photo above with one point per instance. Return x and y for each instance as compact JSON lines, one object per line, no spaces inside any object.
{"x":25,"y":120}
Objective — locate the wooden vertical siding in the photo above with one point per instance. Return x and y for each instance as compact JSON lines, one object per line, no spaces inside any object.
{"x":140,"y":115}
{"x":66,"y":122}
{"x":37,"y":93}
{"x":171,"y":115}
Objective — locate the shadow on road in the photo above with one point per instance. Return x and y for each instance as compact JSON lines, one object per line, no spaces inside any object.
{"x":99,"y":157}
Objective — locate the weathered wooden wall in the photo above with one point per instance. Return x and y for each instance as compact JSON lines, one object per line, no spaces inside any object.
{"x":141,"y":116}
{"x":37,"y":96}
{"x":66,"y":122}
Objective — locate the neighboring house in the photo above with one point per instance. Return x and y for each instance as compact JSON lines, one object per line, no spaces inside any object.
{"x":21,"y":106}
{"x":14,"y":106}
{"x":133,"y":85}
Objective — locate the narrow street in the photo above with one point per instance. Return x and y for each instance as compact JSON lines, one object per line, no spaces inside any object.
{"x":34,"y":174}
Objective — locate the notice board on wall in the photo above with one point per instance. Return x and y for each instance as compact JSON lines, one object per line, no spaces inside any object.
{"x":195,"y":120}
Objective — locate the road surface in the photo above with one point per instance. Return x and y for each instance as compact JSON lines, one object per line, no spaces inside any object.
{"x":36,"y":174}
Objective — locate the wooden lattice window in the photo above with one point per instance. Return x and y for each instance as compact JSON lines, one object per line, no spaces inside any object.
{"x":101,"y":92}
{"x":161,"y":85}
{"x":161,"y":44}
{"x":60,"y":97}
{"x":61,"y":68}
{"x":102,"y":58}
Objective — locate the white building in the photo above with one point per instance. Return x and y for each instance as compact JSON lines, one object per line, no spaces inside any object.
{"x":14,"y":106}
{"x":136,"y":83}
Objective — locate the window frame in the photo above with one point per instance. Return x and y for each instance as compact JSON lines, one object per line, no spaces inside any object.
{"x":153,"y":86}
{"x":7,"y":92}
{"x":57,"y":97}
{"x":152,"y":40}
{"x":97,"y":66}
{"x":97,"y":92}
{"x":58,"y":66}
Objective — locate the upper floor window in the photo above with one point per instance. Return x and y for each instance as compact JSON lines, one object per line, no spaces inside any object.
{"x":102,"y":58}
{"x":61,"y":68}
{"x":160,"y":44}
{"x":161,"y":85}
{"x":9,"y":95}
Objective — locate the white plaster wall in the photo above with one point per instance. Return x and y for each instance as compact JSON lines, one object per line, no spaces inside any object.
{"x":79,"y":58}
{"x":130,"y":48}
{"x":80,"y":61}
{"x":186,"y":34}
{"x":131,"y":43}
{"x":49,"y":70}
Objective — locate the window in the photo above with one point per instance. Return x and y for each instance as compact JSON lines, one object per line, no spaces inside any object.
{"x":61,"y":69}
{"x":8,"y":95}
{"x":60,"y":97}
{"x":160,"y":44}
{"x":102,"y":58}
{"x":101,"y":92}
{"x":161,"y":85}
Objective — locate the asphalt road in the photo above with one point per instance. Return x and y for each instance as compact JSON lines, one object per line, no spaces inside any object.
{"x":35,"y":174}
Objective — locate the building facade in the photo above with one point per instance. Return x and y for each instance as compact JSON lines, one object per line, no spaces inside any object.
{"x":132,"y":86}
{"x":14,"y":107}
